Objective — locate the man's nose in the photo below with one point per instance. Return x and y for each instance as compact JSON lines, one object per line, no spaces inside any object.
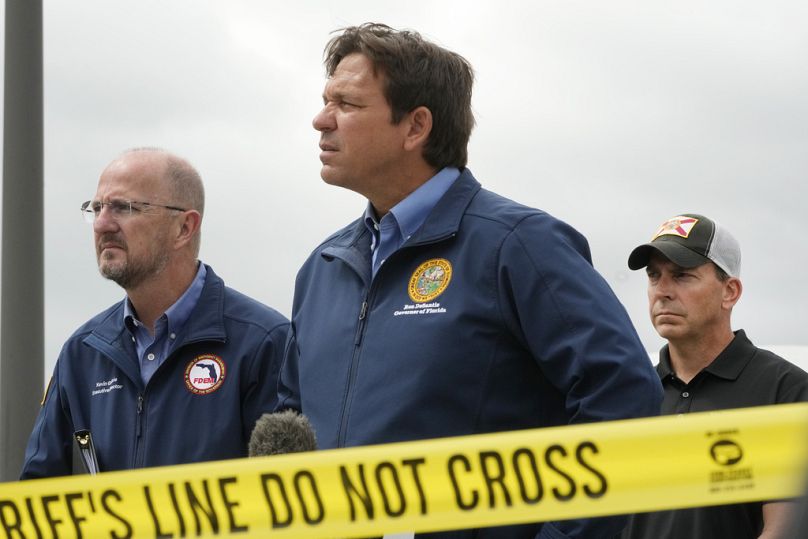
{"x":104,"y":220}
{"x":324,"y":120}
{"x":663,"y":287}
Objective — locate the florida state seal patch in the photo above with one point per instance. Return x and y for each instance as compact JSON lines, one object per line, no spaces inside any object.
{"x":430,"y":280}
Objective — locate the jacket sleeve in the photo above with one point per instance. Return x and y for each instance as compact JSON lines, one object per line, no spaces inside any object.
{"x":579,"y":334}
{"x":49,"y":451}
{"x":261,"y":395}
{"x":288,"y":385}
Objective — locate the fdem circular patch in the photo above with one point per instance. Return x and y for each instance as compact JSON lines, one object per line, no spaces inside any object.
{"x":429,"y":280}
{"x":205,"y":374}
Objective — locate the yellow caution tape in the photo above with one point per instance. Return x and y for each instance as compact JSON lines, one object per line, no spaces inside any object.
{"x":452,"y":483}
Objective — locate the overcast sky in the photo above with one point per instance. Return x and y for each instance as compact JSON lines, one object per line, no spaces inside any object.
{"x":611,"y":115}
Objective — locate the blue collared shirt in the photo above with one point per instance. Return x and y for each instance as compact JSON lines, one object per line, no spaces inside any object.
{"x":153,"y":350}
{"x":403,"y":219}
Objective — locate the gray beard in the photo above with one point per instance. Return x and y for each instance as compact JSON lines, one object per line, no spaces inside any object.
{"x":131,"y":275}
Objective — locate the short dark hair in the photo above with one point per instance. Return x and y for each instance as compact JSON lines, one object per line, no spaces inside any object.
{"x":417,"y":73}
{"x":722,"y":275}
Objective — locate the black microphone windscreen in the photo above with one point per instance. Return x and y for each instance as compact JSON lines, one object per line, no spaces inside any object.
{"x":281,"y":433}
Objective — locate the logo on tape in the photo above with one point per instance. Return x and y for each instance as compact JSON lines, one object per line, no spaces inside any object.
{"x":430,"y":280}
{"x":205,"y":374}
{"x":727,"y":453}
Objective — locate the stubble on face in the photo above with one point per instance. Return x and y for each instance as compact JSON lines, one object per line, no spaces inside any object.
{"x":137,"y":249}
{"x":689,"y":307}
{"x":127,"y":271}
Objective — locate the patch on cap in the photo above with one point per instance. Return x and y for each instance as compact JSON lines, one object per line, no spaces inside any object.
{"x":680,"y":225}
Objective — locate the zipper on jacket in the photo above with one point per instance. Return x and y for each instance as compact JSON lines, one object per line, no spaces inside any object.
{"x":363,"y":312}
{"x":137,"y":455}
{"x":139,"y":421}
{"x":360,"y":329}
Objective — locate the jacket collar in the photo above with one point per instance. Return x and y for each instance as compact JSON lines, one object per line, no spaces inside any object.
{"x":353,"y":246}
{"x":444,"y":220}
{"x":205,"y":323}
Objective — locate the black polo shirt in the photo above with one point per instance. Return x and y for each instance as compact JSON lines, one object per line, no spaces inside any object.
{"x":741,"y":376}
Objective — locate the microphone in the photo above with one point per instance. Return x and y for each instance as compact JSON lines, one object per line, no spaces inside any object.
{"x":290,"y":432}
{"x":280,"y":433}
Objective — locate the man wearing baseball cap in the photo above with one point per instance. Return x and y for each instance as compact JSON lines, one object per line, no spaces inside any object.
{"x":693,"y":266}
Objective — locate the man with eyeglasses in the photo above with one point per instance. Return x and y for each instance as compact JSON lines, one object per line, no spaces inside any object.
{"x":180,"y":369}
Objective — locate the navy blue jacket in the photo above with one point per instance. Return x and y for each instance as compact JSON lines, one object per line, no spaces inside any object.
{"x":522,"y":333}
{"x":182,"y":415}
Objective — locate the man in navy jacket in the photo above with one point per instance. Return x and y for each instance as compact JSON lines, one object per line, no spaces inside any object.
{"x":445,"y":309}
{"x":181,"y":369}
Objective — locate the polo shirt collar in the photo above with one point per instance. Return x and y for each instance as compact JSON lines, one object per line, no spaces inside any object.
{"x":732,"y":360}
{"x":728,"y":364}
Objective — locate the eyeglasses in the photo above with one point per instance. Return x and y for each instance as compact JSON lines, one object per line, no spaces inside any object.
{"x":119,"y":209}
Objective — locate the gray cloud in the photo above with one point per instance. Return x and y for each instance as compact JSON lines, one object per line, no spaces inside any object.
{"x":612,"y":116}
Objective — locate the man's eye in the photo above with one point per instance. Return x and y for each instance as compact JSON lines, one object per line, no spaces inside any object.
{"x":119,"y":207}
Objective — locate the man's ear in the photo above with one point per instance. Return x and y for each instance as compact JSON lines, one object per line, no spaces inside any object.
{"x":188,"y":227}
{"x":419,"y":122}
{"x":732,"y":292}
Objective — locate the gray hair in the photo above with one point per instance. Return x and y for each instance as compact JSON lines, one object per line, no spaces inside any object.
{"x":184,"y":182}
